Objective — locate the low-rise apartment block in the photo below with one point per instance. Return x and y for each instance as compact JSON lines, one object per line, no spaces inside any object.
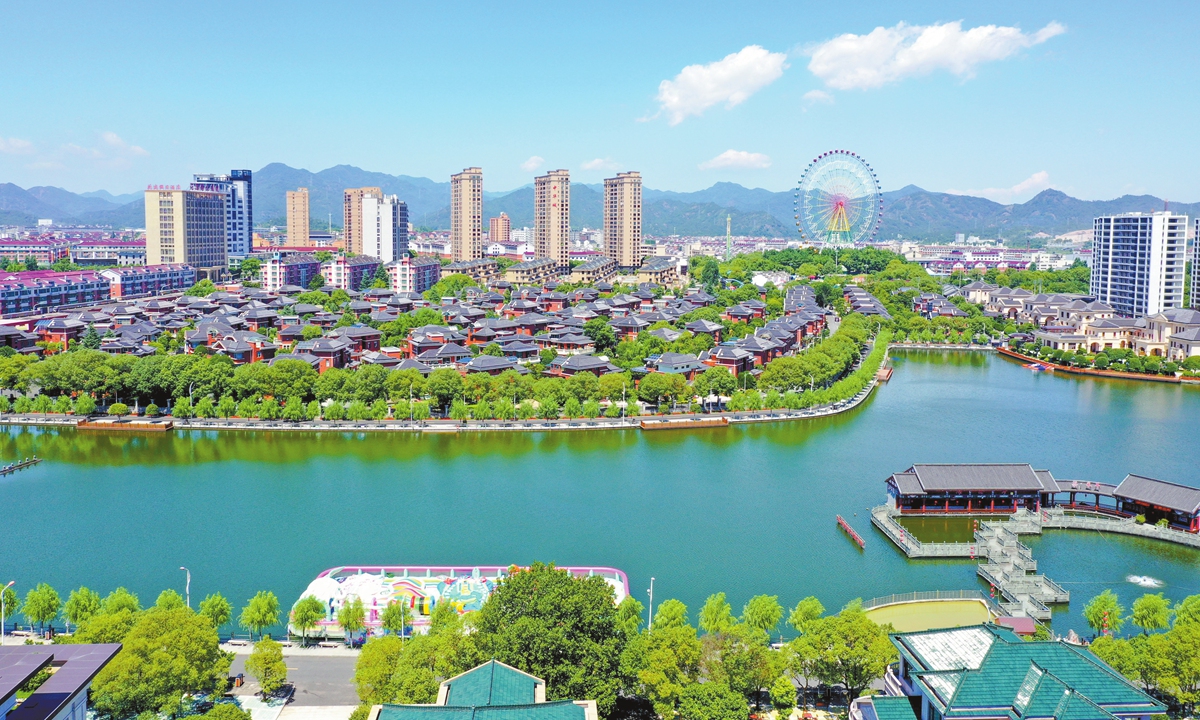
{"x":409,"y":274}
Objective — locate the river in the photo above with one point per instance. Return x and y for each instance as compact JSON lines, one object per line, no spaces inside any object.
{"x":747,"y":509}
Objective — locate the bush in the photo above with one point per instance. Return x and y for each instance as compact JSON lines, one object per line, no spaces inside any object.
{"x":152,"y":410}
{"x":118,"y":409}
{"x":85,"y":405}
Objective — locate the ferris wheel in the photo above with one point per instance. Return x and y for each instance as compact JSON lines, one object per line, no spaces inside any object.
{"x":838,"y":200}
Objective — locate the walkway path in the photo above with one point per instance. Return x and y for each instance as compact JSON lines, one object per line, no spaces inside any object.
{"x":1007,"y":563}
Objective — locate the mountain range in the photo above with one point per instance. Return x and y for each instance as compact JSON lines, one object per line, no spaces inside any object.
{"x":910,"y":212}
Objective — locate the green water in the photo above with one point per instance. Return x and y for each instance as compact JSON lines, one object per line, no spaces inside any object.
{"x":746,"y":509}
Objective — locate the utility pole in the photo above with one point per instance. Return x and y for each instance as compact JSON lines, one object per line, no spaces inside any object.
{"x":650,"y":621}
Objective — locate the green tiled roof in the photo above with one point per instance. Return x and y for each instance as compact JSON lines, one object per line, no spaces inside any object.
{"x":492,"y":683}
{"x":561,"y":710}
{"x":893,"y":708}
{"x":997,"y":672}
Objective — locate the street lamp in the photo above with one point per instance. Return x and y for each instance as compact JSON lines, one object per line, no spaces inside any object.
{"x":2,"y":608}
{"x":650,"y":622}
{"x":187,"y":590}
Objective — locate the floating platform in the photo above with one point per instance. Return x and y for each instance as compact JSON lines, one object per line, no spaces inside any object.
{"x":683,"y":423}
{"x":126,"y":425}
{"x":841,"y":521}
{"x":422,"y":588}
{"x":13,"y":467}
{"x":884,"y":374}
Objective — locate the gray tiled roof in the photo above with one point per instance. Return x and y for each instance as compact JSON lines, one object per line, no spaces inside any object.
{"x":1159,"y":492}
{"x":977,"y":476}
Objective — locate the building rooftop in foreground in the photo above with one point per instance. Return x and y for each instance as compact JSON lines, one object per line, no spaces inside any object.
{"x":986,"y":671}
{"x":492,"y":691}
{"x":64,"y":692}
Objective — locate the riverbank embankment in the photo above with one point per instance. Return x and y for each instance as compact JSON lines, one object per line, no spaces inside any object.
{"x":1092,"y":372}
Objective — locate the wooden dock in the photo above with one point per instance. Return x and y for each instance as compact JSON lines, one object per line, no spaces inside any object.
{"x":13,"y":467}
{"x":841,"y":521}
{"x":161,"y":425}
{"x":687,"y":423}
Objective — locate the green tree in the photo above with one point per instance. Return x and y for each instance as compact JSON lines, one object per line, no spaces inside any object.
{"x":396,"y":618}
{"x":250,"y":269}
{"x":169,"y":600}
{"x":712,"y":701}
{"x":118,"y":409}
{"x":602,"y":335}
{"x":849,"y":649}
{"x":629,"y":616}
{"x":266,"y":665}
{"x":260,"y":613}
{"x":1187,"y":610}
{"x":352,"y":617}
{"x":167,"y":654}
{"x":81,"y":605}
{"x":12,"y":603}
{"x":306,"y":614}
{"x":557,"y":627}
{"x":293,"y":410}
{"x":805,"y":612}
{"x":228,"y":711}
{"x":444,"y":385}
{"x":41,"y":605}
{"x":783,"y":695}
{"x":205,"y":409}
{"x":459,"y":411}
{"x":90,"y":338}
{"x":763,"y":612}
{"x":1151,"y":613}
{"x":717,"y":615}
{"x":671,"y":613}
{"x":661,"y":664}
{"x":1104,"y":613}
{"x":118,"y":600}
{"x":572,"y":408}
{"x":217,"y":609}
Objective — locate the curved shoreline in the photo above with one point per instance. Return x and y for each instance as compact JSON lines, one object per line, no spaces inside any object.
{"x":679,"y":422}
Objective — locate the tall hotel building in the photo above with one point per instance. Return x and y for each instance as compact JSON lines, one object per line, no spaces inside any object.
{"x":384,"y":227}
{"x":466,"y":214}
{"x":1138,"y":261}
{"x":623,"y":219}
{"x":238,"y":188}
{"x":297,"y":217}
{"x":552,"y":217}
{"x":186,"y":226}
{"x":352,"y":216}
{"x":499,"y":229}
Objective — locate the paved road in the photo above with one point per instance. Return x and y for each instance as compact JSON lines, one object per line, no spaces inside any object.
{"x":319,"y":679}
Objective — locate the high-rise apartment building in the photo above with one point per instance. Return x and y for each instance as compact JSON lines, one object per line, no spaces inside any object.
{"x":552,"y":217}
{"x":237,"y":187}
{"x":466,"y":214}
{"x":352,"y":216}
{"x":1138,"y":261}
{"x":1196,"y":266}
{"x":499,"y":228}
{"x":623,"y":219}
{"x":186,"y":226}
{"x":384,"y":227}
{"x":297,"y":217}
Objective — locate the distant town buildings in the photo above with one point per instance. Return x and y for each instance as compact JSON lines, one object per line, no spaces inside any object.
{"x":466,"y":214}
{"x":1195,"y":289}
{"x":623,"y":219}
{"x":384,"y":224}
{"x":552,"y":217}
{"x":352,"y":215}
{"x":298,"y":217}
{"x":499,"y":229}
{"x":186,"y":226}
{"x":237,"y":187}
{"x":1138,"y":261}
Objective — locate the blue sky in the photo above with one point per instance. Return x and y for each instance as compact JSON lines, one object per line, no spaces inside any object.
{"x":1096,"y":99}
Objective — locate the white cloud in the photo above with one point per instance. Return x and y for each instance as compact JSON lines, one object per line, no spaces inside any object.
{"x":73,"y":149}
{"x":600,"y":164}
{"x":1023,"y":190}
{"x":15,"y":146}
{"x":114,"y":140}
{"x":730,"y":80}
{"x":887,"y":55}
{"x":533,"y":163}
{"x":737,"y":159}
{"x":817,"y":96}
